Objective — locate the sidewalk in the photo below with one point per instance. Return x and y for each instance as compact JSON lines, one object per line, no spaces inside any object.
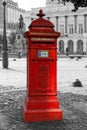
{"x":15,"y":76}
{"x":13,"y":91}
{"x":74,"y":111}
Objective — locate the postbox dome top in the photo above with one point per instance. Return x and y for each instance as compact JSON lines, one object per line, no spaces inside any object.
{"x":41,"y":22}
{"x":41,"y":28}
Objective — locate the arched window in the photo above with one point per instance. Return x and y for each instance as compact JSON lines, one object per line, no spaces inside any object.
{"x":61,"y":46}
{"x":0,"y":48}
{"x":70,"y":47}
{"x":79,"y":46}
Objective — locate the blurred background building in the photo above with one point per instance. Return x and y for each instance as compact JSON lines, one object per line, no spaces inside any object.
{"x":71,"y":25}
{"x":13,"y":13}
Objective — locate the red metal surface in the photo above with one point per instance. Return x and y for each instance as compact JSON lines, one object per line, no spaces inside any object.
{"x":41,"y":102}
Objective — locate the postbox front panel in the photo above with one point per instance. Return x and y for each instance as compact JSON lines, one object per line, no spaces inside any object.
{"x":42,"y":71}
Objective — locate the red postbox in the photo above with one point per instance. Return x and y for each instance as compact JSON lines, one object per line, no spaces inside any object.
{"x":41,"y":102}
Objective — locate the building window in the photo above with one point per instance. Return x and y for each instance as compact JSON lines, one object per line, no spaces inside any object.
{"x":62,"y":30}
{"x":71,"y":29}
{"x":61,"y":46}
{"x":80,"y":31}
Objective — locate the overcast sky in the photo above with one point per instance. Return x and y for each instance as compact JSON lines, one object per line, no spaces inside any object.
{"x":28,"y":4}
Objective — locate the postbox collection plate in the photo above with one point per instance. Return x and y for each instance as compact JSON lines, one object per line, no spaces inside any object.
{"x":43,"y":53}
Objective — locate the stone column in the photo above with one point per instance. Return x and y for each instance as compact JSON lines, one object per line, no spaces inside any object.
{"x":66,"y":19}
{"x":75,"y":23}
{"x":85,"y":23}
{"x":75,"y":46}
{"x":57,"y":23}
{"x":84,"y":46}
{"x":65,"y":44}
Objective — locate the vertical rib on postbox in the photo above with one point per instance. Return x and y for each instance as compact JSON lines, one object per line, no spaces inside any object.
{"x":41,"y":102}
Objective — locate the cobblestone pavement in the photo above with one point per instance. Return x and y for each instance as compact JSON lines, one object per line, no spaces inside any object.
{"x":74,"y":113}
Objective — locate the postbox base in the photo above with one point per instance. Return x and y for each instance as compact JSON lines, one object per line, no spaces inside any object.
{"x":42,"y":115}
{"x":38,"y":113}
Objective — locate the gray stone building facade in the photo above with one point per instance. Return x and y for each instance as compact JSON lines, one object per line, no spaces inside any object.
{"x":13,"y":13}
{"x":71,"y":25}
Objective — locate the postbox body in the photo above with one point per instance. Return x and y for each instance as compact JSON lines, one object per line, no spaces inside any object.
{"x":41,"y":102}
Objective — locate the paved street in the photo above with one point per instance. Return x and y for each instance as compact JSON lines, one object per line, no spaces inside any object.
{"x":68,"y":71}
{"x":15,"y":76}
{"x":73,"y":100}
